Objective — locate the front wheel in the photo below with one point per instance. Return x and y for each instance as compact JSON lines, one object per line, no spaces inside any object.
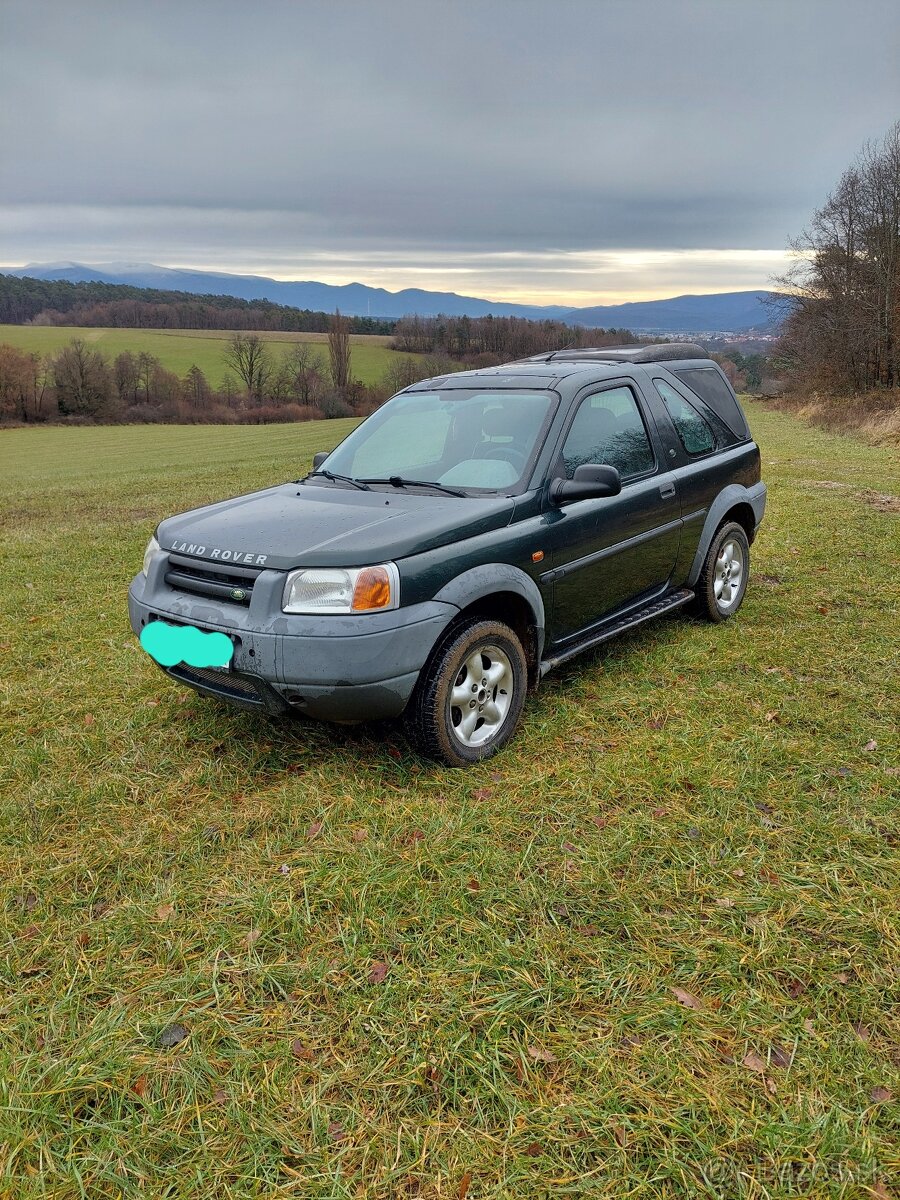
{"x":723,"y":580}
{"x":469,"y":699}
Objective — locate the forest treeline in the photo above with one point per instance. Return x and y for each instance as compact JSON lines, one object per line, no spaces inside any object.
{"x":842,"y":334}
{"x":120,"y":306}
{"x":79,"y":384}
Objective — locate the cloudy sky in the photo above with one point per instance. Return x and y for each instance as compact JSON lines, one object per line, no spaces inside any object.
{"x":552,"y":151}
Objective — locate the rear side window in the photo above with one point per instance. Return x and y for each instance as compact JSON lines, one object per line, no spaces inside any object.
{"x":608,"y":431}
{"x":711,"y":387}
{"x":694,"y":433}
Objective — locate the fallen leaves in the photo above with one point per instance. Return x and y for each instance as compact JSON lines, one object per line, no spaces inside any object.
{"x":534,"y":1149}
{"x":870,"y":745}
{"x":172,"y":1035}
{"x":378,"y":972}
{"x":165,"y":911}
{"x":779,"y":1057}
{"x":686,"y":998}
{"x":881,"y":1095}
{"x":753,"y":1062}
{"x":301,"y":1051}
{"x":539,"y":1054}
{"x":336,"y":1131}
{"x":314,"y":830}
{"x":464,"y":1183}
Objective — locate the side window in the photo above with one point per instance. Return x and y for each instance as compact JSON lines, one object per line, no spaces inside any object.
{"x":608,"y":431}
{"x":711,"y":387}
{"x":694,"y":433}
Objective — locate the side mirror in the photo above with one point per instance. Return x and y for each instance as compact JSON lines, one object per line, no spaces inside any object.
{"x":590,"y":483}
{"x":319,"y":458}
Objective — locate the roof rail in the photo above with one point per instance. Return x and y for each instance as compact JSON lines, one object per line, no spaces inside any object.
{"x":662,"y":352}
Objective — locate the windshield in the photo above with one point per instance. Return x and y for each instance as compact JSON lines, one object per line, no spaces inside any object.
{"x":458,"y":438}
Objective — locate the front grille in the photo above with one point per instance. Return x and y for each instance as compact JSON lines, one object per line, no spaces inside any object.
{"x":219,"y":580}
{"x":224,"y":683}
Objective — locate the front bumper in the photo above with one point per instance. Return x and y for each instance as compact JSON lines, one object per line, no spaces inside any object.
{"x":335,"y":668}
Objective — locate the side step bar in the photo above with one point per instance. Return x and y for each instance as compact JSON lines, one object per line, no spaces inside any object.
{"x":668,"y":603}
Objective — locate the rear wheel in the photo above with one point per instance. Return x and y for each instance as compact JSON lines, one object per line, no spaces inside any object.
{"x":723,"y":580}
{"x":469,"y":699}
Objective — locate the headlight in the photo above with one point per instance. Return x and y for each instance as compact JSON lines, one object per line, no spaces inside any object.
{"x":152,"y":547}
{"x":342,"y":590}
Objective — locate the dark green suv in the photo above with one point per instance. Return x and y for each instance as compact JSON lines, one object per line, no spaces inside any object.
{"x":470,"y":535}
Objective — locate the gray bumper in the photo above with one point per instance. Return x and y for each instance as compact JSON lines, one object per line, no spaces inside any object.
{"x":335,"y":668}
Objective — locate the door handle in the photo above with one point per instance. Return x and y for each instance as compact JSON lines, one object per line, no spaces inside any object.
{"x":667,"y":490}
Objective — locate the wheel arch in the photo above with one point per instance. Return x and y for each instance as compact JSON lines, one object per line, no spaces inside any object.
{"x":501,"y":592}
{"x":733,"y":503}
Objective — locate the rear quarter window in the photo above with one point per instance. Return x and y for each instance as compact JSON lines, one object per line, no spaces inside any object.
{"x":712,"y":388}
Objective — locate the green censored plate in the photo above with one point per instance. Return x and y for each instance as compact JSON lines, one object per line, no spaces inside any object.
{"x":171,"y":644}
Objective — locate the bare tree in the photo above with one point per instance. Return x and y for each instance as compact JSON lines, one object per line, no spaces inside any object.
{"x":22,"y":384}
{"x":301,"y":375}
{"x":82,"y":379}
{"x":195,"y":388}
{"x":248,"y":356}
{"x":843,"y":329}
{"x":339,"y":351}
{"x":127,"y":375}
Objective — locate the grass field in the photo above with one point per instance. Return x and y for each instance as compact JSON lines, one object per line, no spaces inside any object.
{"x":180,"y":349}
{"x":651,"y":950}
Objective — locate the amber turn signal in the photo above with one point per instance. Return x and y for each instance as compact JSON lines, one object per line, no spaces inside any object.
{"x":372,"y":590}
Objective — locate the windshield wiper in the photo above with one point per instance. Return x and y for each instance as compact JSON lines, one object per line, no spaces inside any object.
{"x":333,"y":476}
{"x":398,"y":481}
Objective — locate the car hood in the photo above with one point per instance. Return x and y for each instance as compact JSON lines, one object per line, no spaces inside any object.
{"x":299,"y":525}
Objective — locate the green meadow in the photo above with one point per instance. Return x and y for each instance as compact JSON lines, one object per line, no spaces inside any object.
{"x":180,"y":349}
{"x":650,"y":950}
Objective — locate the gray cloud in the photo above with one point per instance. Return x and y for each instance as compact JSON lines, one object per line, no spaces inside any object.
{"x":342,"y":133}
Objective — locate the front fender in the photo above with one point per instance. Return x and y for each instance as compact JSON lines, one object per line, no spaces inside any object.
{"x":489,"y":579}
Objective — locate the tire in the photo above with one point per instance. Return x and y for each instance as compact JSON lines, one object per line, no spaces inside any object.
{"x":723,"y":579}
{"x":489,"y":704}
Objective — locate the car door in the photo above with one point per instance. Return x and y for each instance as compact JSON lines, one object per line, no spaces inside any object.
{"x":704,"y":453}
{"x":615,"y":552}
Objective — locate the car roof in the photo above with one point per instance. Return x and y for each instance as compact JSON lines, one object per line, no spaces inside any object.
{"x":545,"y":370}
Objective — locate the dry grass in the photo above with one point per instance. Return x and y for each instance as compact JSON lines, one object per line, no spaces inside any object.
{"x":874,"y":416}
{"x":651,"y":950}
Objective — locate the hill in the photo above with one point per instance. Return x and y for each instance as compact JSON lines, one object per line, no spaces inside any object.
{"x":721,"y":312}
{"x":725,"y":312}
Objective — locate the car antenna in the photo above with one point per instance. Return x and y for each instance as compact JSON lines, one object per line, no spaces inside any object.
{"x":561,"y":350}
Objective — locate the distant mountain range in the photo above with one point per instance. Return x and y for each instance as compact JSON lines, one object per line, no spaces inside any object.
{"x":724,"y":312}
